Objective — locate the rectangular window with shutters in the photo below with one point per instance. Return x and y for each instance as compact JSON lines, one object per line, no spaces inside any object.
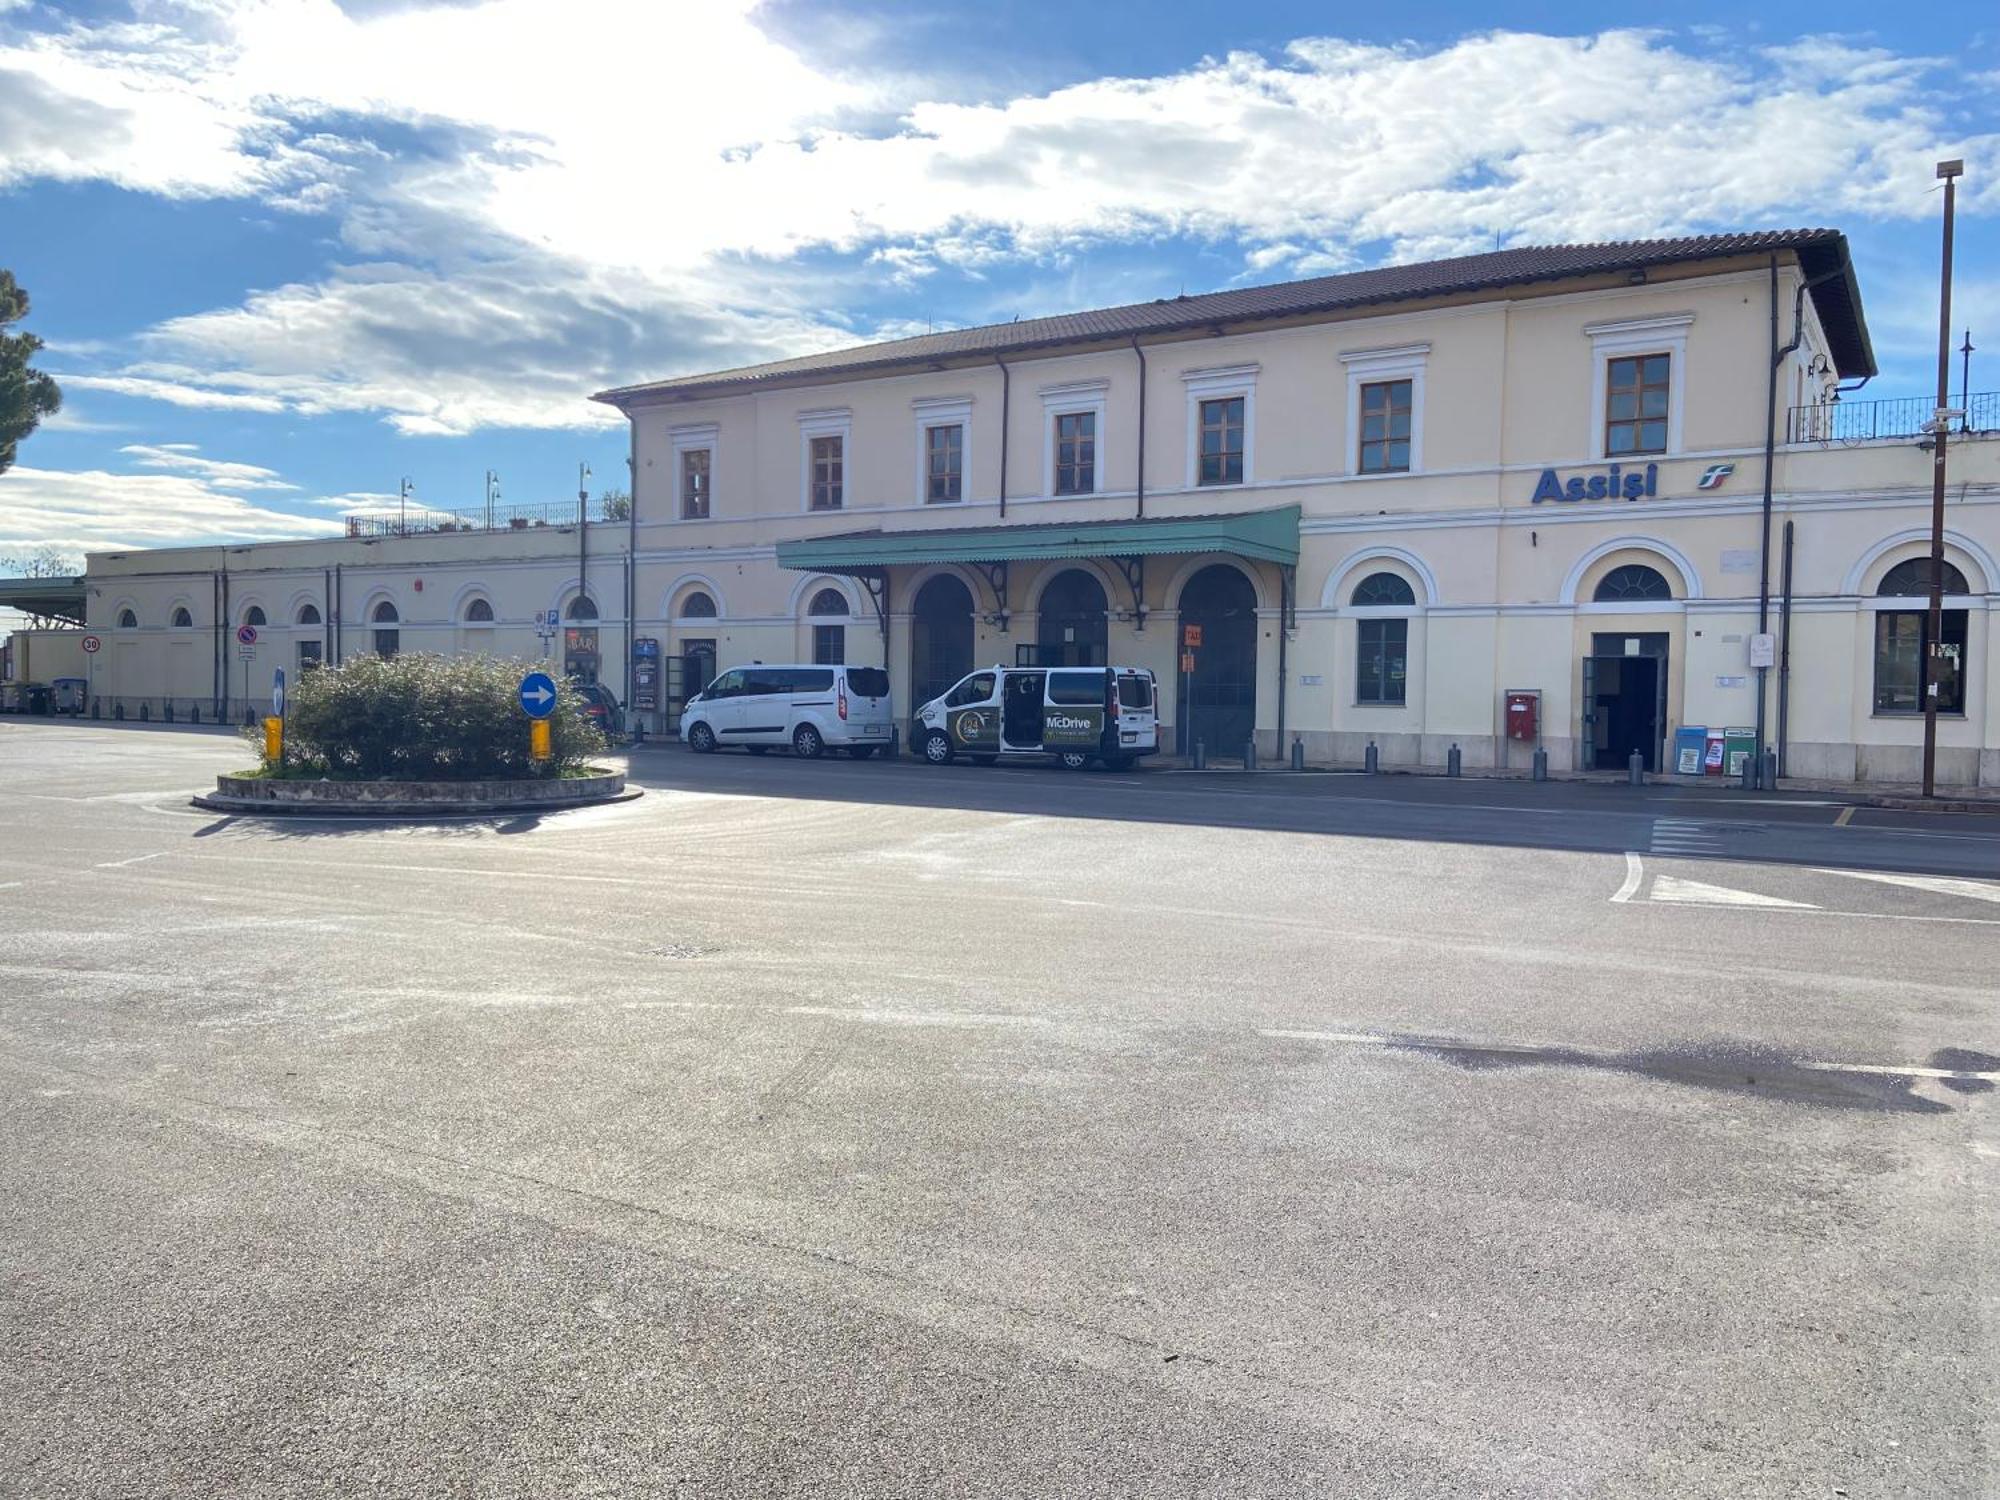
{"x":1382,"y":660}
{"x":1221,"y":450}
{"x":1901,"y":638}
{"x":1385,"y":427}
{"x":694,"y":484}
{"x":827,"y":469}
{"x":1076,"y":453}
{"x":1636,"y":392}
{"x":944,"y":464}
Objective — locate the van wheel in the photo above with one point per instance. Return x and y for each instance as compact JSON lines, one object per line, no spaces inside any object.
{"x":807,"y":744}
{"x":1074,"y":760}
{"x":937,"y":748}
{"x":701,"y":740}
{"x":861,"y":752}
{"x":757,"y":749}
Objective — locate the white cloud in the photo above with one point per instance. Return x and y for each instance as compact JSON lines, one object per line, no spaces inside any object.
{"x":95,"y":511}
{"x":609,"y":192}
{"x":218,"y":473}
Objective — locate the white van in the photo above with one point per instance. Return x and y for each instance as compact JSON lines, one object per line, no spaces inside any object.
{"x":813,"y":709}
{"x":1075,"y":714}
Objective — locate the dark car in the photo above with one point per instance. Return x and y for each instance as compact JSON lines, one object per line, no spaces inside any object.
{"x":601,"y":708}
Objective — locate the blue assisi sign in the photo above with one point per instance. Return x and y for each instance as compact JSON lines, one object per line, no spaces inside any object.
{"x":1612,"y":484}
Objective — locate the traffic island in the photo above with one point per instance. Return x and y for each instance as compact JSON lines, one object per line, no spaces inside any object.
{"x":324,"y":797}
{"x":423,"y":736}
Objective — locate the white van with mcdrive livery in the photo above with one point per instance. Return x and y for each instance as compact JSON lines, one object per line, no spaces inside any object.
{"x":1076,"y":715}
{"x":813,"y":709}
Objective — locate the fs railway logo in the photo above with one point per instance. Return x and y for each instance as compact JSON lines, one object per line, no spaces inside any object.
{"x":1713,"y":475}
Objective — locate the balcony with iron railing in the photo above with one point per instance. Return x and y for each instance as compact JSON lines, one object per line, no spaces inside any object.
{"x":425,"y":521}
{"x":1904,"y":419}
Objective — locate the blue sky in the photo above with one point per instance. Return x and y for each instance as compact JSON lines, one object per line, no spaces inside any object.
{"x":287,"y":252}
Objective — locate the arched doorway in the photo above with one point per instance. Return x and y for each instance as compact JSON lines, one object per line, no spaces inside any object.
{"x":580,"y":656}
{"x":940,"y":637}
{"x":1219,"y":698}
{"x":1070,"y":629}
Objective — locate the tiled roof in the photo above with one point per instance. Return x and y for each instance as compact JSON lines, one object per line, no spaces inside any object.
{"x":1820,"y":250}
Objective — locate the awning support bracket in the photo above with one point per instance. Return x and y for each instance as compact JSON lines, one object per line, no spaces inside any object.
{"x":1134,"y":569}
{"x":876,"y":581}
{"x":996,"y":579}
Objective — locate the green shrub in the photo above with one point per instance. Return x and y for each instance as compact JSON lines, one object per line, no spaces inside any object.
{"x":418,"y":717}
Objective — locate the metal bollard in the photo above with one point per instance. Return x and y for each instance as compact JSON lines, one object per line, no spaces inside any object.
{"x":1540,"y":771}
{"x":194,"y":714}
{"x":1250,"y":753}
{"x":1770,"y":770}
{"x":1635,"y":769}
{"x":170,"y":710}
{"x":1298,"y":753}
{"x":1201,"y":755}
{"x":1371,"y":759}
{"x":1454,"y":761}
{"x":895,"y":741}
{"x":1747,"y":773}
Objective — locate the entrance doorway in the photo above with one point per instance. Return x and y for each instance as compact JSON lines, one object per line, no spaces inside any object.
{"x":1021,"y":711}
{"x":1070,"y":628}
{"x":1625,"y":699}
{"x":1218,"y":700}
{"x":940,"y":637}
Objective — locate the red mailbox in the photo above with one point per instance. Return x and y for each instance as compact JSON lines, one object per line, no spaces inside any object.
{"x":1524,"y":716}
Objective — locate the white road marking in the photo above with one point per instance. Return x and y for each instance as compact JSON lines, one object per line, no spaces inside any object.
{"x":1939,"y":885}
{"x":1672,"y":889}
{"x":916,"y":1017}
{"x":1684,"y":836}
{"x":137,"y":859}
{"x":1634,"y":873}
{"x":1421,"y":1044}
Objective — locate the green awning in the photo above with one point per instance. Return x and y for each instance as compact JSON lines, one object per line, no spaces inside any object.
{"x":58,"y":598}
{"x":1266,"y":535}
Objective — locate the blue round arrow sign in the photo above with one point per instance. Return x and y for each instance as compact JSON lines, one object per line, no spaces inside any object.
{"x":538,"y":695}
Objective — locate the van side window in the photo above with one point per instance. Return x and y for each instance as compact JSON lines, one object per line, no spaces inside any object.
{"x":868,"y":682}
{"x":762,"y":682}
{"x":810,"y":680}
{"x":1135,"y":691}
{"x":975,"y":689}
{"x":728,"y":685}
{"x":1076,"y":687}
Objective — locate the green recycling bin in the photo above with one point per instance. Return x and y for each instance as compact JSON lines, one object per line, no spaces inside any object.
{"x":1738,"y":745}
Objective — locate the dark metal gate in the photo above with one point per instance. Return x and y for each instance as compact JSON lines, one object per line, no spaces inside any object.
{"x":1218,"y":700}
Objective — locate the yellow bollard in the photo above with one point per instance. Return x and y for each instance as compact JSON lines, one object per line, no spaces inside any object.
{"x":274,"y":740}
{"x":538,"y":739}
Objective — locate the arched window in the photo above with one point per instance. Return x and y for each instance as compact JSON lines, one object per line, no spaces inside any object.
{"x":308,"y":614}
{"x":388,"y":641}
{"x":479,"y":612}
{"x":698,"y":606}
{"x":182,"y":619}
{"x":829,"y":641}
{"x":580,"y":608}
{"x":1630,"y":582}
{"x":1383,"y":588}
{"x":1071,"y":628}
{"x":1914,"y":577}
{"x":941,"y":638}
{"x":1903,"y":642}
{"x":1382,"y":643}
{"x":127,"y":620}
{"x":254,"y":615}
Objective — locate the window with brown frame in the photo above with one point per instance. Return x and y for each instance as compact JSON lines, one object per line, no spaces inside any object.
{"x":1385,"y":427}
{"x":1635,"y":404}
{"x":944,"y":464}
{"x":1221,"y":442}
{"x":827,"y":466}
{"x":1076,"y":453}
{"x":695,"y":464}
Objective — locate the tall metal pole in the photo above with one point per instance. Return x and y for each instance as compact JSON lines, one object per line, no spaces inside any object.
{"x":1965,"y":382}
{"x":1940,"y":423}
{"x":403,"y":506}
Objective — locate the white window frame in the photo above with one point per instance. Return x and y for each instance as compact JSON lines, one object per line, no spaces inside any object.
{"x":1372,"y":367}
{"x":943,"y":411}
{"x":1066,"y":400}
{"x":690,"y":438}
{"x":1217,"y":385}
{"x":1638,"y":336}
{"x":830,"y":422}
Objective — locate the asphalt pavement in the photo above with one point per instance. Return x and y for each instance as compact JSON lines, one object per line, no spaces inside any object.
{"x":863,"y":1129}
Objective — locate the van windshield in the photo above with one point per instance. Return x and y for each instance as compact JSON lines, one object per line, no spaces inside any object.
{"x":1135,"y":691}
{"x":868,"y":682}
{"x":1076,"y":687}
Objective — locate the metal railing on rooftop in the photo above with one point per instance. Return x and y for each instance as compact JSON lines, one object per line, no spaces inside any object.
{"x":429,"y":522}
{"x":1905,"y":417}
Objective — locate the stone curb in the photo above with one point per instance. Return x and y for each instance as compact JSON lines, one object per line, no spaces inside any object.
{"x":367,"y":799}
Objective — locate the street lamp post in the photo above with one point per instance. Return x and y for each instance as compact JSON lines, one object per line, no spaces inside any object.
{"x":1932,"y":655}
